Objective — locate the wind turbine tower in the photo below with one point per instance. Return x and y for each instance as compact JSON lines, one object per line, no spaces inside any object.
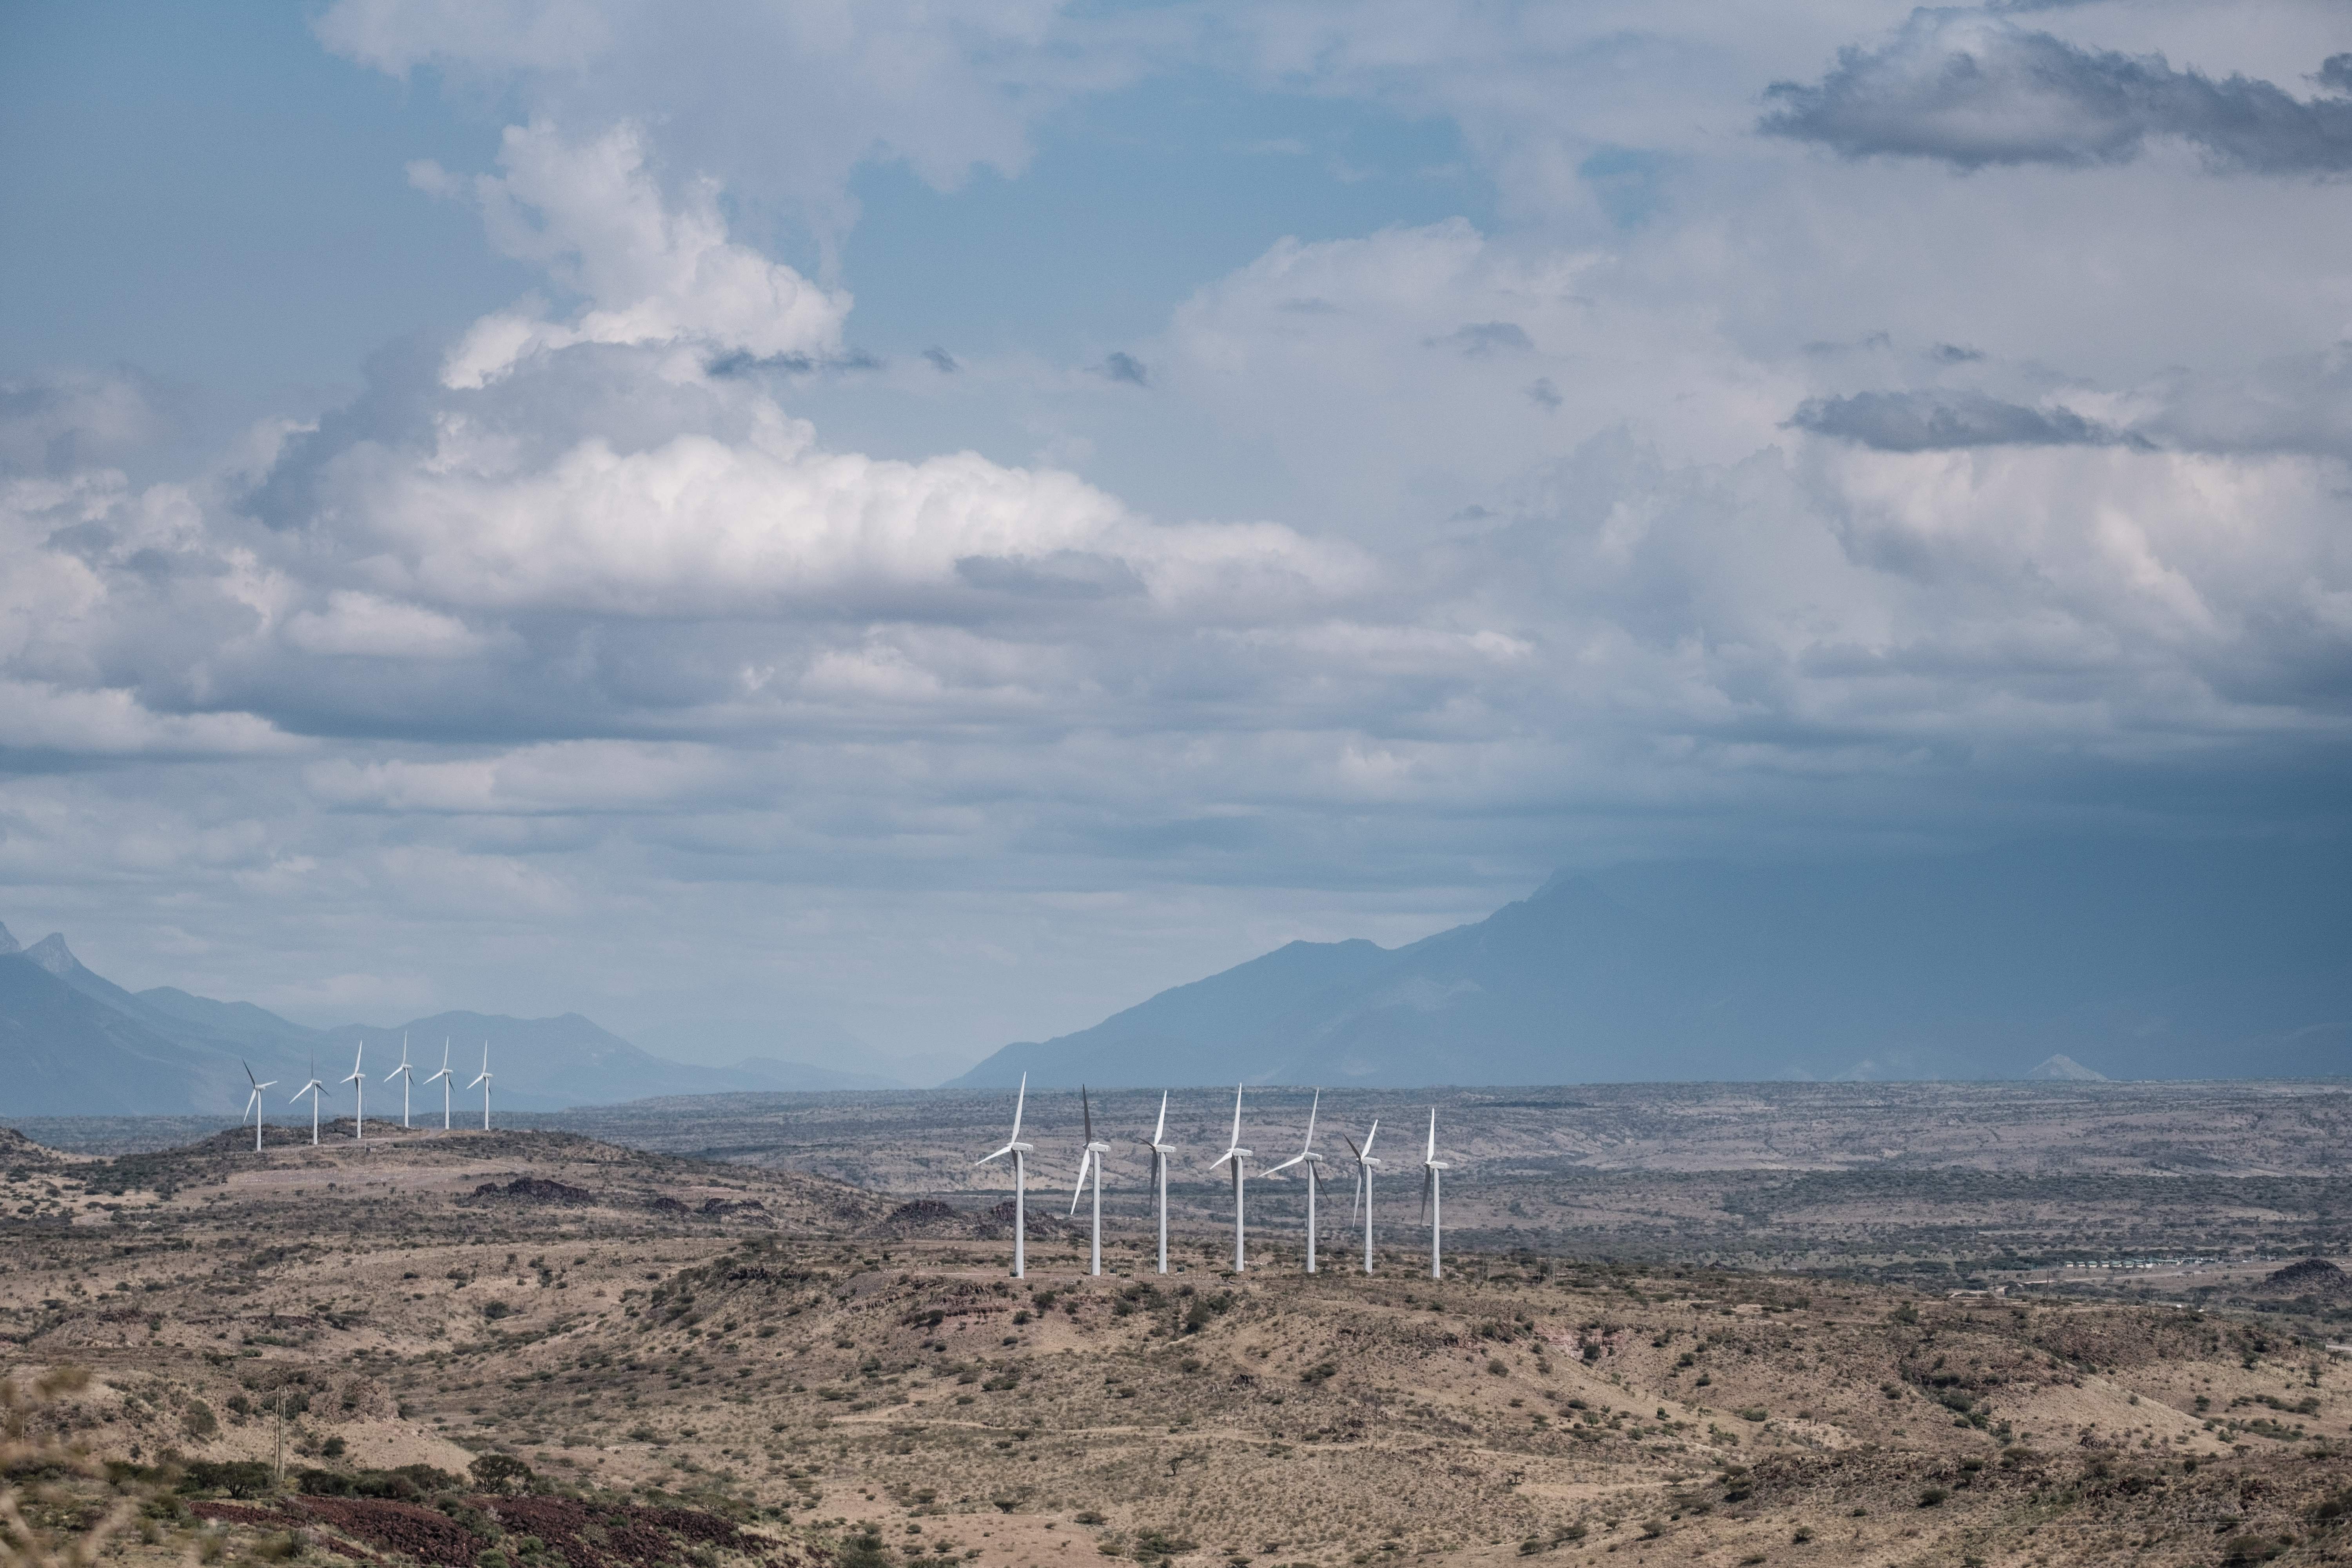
{"x":1090,"y":1160}
{"x":1365,"y":1166}
{"x":1433,"y":1196}
{"x":1161,"y":1149}
{"x":1238,"y":1157}
{"x":358,"y":1116}
{"x":407,"y":1076}
{"x":314,"y":1088}
{"x":1308,"y":1157}
{"x":446,"y":1081}
{"x":484,"y":1083}
{"x":253,"y":1105}
{"x":1020,"y":1152}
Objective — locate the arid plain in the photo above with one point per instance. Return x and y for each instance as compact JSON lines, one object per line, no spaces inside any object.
{"x":1713,"y":1326}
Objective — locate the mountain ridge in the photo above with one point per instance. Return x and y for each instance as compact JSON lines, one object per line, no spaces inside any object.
{"x":80,"y":1044}
{"x":2129,"y":960}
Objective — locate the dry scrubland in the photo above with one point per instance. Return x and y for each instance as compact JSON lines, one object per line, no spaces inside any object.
{"x":1936,"y":1184}
{"x":716,"y":1366}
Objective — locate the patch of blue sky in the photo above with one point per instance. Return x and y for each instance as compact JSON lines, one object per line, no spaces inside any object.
{"x":202,"y":192}
{"x":1134,"y":200}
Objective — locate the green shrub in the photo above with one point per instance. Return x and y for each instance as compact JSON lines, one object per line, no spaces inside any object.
{"x":236,"y":1478}
{"x":501,"y":1472}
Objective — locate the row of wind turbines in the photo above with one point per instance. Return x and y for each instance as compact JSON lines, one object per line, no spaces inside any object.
{"x":406,"y":1072}
{"x":1235,"y":1157}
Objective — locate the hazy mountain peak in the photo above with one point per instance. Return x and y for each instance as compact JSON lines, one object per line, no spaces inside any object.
{"x":52,"y":954}
{"x":2066,"y":1070}
{"x":8,"y":945}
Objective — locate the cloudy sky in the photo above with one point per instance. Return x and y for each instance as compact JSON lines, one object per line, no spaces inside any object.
{"x":926,"y":523}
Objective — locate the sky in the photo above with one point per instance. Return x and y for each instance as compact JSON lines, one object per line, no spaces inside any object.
{"x":861,"y":532}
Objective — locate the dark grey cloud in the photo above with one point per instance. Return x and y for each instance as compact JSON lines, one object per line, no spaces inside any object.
{"x":2335,"y":73}
{"x":1939,"y":421}
{"x":1953,"y":354}
{"x":1972,"y":90}
{"x":941,"y":361}
{"x":1118,"y":365}
{"x":1543,"y":394}
{"x":1488,"y":337}
{"x":1060,"y":574}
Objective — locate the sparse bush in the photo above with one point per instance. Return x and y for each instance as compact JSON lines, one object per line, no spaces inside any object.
{"x":1151,"y":1545}
{"x":235,"y":1477}
{"x":501,"y":1473}
{"x":1931,"y":1497}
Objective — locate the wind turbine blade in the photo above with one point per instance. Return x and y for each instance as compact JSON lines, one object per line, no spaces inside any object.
{"x":1278,"y":1170}
{"x":1084,"y":1161}
{"x":1086,"y":1109}
{"x":248,"y":1070}
{"x":1221,"y":1159}
{"x":1235,"y":1142}
{"x":1311,"y":1110}
{"x":1430,"y":1157}
{"x":1018,"y":1101}
{"x":1000,"y":1154}
{"x":1160,"y":1133}
{"x":1366,"y":1152}
{"x":1427,"y":1176}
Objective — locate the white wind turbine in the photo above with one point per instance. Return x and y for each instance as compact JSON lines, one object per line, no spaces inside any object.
{"x":1161,"y":1149}
{"x":406,"y":1075}
{"x":358,"y":1116}
{"x":1090,"y":1160}
{"x":484,"y":1083}
{"x":1020,"y":1152}
{"x":314,"y":1088}
{"x":1365,"y":1166}
{"x":253,"y":1105}
{"x":1433,"y":1197}
{"x":446,"y":1081}
{"x":1238,"y":1157}
{"x":1308,"y":1157}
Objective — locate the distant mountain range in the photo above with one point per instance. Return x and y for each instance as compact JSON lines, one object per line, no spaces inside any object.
{"x":2076,"y":961}
{"x":73,"y":1043}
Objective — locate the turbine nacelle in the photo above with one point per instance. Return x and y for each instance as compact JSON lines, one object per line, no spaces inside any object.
{"x":1306,"y":1155}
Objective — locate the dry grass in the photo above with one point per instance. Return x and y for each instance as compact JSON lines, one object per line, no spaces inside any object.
{"x":893,"y":1399}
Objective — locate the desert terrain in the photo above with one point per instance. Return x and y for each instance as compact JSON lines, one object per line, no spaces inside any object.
{"x":539,"y":1348}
